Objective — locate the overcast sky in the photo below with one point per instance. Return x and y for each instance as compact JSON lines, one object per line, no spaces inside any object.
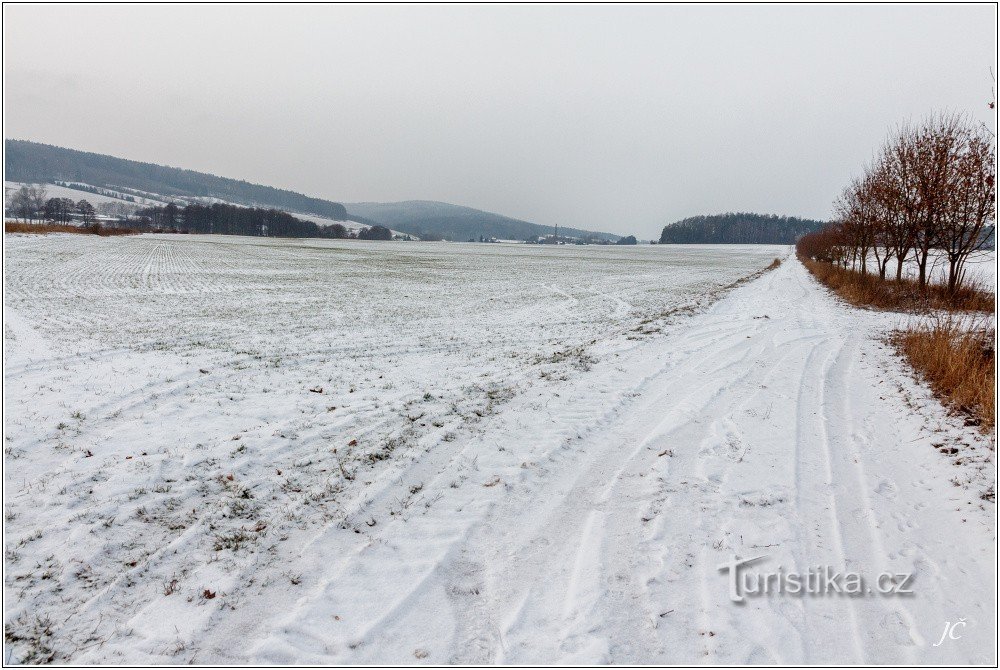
{"x":617,"y":119}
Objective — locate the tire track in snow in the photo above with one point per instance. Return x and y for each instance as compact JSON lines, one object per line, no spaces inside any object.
{"x":494,"y":538}
{"x":817,"y":506}
{"x":859,"y":529}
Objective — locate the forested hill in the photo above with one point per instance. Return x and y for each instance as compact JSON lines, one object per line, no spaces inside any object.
{"x":738,"y":228}
{"x":440,"y":220}
{"x":34,"y":162}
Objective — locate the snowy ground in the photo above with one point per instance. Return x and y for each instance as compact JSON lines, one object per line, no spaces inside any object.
{"x":238,"y":450}
{"x":56,"y":191}
{"x":980,"y":268}
{"x":324,"y":221}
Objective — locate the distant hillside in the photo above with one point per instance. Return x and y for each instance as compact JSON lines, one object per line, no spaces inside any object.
{"x":34,"y":162}
{"x":144,"y":182}
{"x":738,"y":228}
{"x":429,"y":219}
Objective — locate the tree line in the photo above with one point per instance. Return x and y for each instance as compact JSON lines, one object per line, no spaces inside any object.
{"x":738,"y":228}
{"x":30,"y":203}
{"x":96,"y":190}
{"x":930,"y":189}
{"x":26,"y":203}
{"x":64,"y":210}
{"x":223,"y":219}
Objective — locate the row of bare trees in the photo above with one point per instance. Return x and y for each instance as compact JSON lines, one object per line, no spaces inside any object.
{"x":26,"y":203}
{"x":930,"y":191}
{"x":30,"y":203}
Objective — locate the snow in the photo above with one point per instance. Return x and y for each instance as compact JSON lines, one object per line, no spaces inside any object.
{"x":980,"y":268}
{"x":56,"y":191}
{"x":245,"y":450}
{"x":349,"y":225}
{"x":153,"y":199}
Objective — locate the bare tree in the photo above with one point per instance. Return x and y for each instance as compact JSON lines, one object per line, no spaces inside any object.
{"x":28,"y":202}
{"x":20,"y":204}
{"x":930,"y":192}
{"x":896,"y":208}
{"x":938,"y":147}
{"x":862,"y":222}
{"x":86,"y":211}
{"x":117,"y":209}
{"x":969,"y":220}
{"x":885,"y":218}
{"x":59,"y":209}
{"x":36,"y":196}
{"x":897,"y":161}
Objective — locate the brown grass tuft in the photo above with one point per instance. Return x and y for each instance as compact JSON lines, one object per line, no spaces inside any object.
{"x":905,"y":295}
{"x":956,"y":357}
{"x":46,"y":228}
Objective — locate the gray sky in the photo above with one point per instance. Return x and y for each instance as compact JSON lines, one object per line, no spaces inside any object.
{"x":611,"y":118}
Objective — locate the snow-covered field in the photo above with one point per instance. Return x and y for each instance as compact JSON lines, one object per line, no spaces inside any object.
{"x":236,"y":450}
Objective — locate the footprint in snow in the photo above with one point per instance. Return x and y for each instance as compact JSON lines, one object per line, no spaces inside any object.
{"x":887,"y":488}
{"x":897,"y":630}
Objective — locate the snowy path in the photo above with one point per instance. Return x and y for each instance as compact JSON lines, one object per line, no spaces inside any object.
{"x":588,"y":527}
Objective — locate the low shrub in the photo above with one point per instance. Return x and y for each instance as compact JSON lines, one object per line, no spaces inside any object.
{"x":46,"y":228}
{"x":904,"y":295}
{"x":955,"y":356}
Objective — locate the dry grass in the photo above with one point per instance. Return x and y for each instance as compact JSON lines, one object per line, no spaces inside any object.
{"x":953,"y":352}
{"x":46,"y":228}
{"x":956,"y":358}
{"x":905,"y":295}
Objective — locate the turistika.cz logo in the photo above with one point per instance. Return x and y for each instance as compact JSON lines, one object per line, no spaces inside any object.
{"x":819,"y":580}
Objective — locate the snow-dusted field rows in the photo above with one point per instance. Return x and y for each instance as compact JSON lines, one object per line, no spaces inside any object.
{"x":187,"y":416}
